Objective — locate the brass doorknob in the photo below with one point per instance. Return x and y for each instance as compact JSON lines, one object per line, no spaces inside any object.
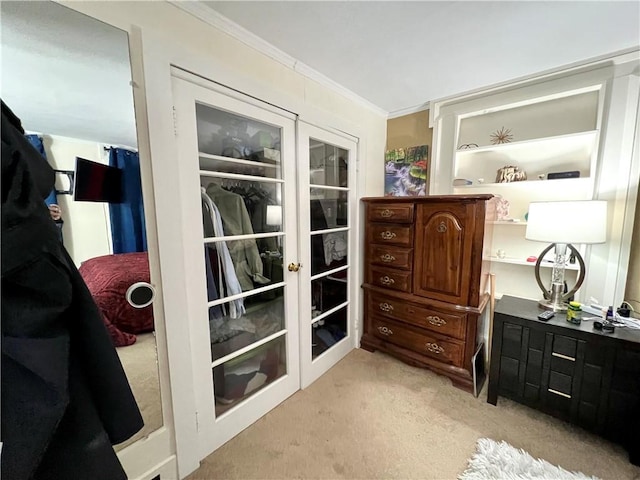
{"x":294,"y":267}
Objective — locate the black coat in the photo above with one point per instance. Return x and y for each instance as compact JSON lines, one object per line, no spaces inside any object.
{"x":65,"y":397}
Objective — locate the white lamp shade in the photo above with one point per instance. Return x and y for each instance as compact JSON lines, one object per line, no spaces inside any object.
{"x":274,"y":215}
{"x":567,"y":222}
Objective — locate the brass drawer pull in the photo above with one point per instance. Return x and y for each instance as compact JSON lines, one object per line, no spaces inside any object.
{"x":386,"y":280}
{"x":386,"y":258}
{"x":385,"y":331}
{"x":387,"y":235}
{"x":437,"y":321}
{"x":434,"y":348}
{"x":386,"y":213}
{"x":442,"y":227}
{"x":565,"y":357}
{"x":559,"y":393}
{"x":385,"y":307}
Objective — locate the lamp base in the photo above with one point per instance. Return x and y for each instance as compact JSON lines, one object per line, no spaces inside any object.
{"x":558,"y":307}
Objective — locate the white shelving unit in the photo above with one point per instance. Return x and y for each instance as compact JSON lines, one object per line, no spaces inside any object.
{"x":550,"y":134}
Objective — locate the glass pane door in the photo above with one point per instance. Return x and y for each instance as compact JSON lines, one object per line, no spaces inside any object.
{"x":328,"y":195}
{"x":246,"y":228}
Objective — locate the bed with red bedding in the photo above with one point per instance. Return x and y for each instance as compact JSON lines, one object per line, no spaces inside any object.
{"x":108,"y":278}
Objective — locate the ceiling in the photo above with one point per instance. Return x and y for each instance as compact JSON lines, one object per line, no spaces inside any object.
{"x":64,"y":73}
{"x":67,"y":74}
{"x":399,"y":55}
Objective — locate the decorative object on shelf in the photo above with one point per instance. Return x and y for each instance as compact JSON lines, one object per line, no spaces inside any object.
{"x":502,"y":208}
{"x":541,"y":176}
{"x":563,"y":224}
{"x":510,"y":173}
{"x":467,"y":146}
{"x":557,"y":175}
{"x":406,"y":171}
{"x":461,"y":182}
{"x":501,"y":136}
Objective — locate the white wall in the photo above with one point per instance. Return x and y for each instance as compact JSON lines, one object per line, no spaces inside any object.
{"x":87,"y":228}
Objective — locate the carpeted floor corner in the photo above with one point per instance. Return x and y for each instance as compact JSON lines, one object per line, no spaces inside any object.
{"x":373,"y":417}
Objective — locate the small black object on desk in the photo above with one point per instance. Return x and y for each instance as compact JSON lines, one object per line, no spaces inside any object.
{"x":546,"y":315}
{"x":573,"y":372}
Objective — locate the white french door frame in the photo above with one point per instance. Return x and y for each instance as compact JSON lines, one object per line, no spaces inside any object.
{"x":188,"y":90}
{"x":311,"y":369}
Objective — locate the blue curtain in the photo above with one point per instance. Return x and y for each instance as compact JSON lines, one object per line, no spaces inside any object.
{"x":127,"y":218}
{"x":52,"y":198}
{"x":36,"y":141}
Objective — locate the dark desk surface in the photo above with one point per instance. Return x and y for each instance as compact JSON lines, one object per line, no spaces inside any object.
{"x":529,"y":310}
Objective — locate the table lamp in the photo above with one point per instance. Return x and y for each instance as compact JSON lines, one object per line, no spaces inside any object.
{"x":274,"y":215}
{"x":563,"y":224}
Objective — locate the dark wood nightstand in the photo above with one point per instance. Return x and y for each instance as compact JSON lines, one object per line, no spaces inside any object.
{"x":572,"y":372}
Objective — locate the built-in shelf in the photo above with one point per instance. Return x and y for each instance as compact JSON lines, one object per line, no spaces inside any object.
{"x":542,"y":145}
{"x":219,"y":163}
{"x":538,"y":183}
{"x":519,"y":261}
{"x":541,"y":156}
{"x":507,"y":222}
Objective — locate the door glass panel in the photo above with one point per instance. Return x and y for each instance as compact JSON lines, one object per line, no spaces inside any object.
{"x":329,"y":208}
{"x":328,"y":331}
{"x":246,"y":207}
{"x":327,"y":164}
{"x":328,"y":292}
{"x":231,"y":330}
{"x":329,"y":251}
{"x":247,"y":374}
{"x":233,"y":151}
{"x":226,"y":134}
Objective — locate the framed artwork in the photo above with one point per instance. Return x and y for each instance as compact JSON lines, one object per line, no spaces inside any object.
{"x":406,"y":171}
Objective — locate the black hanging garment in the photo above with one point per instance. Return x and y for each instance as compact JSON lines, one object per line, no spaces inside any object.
{"x":65,"y":397}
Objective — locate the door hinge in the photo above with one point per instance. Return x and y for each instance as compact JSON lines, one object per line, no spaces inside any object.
{"x":197,"y":422}
{"x":175,"y":121}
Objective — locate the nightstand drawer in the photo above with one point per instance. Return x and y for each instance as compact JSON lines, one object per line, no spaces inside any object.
{"x":445,"y":323}
{"x":418,"y":341}
{"x":391,"y":234}
{"x":565,"y":346}
{"x":389,"y":278}
{"x":388,"y":212}
{"x":396,"y":257}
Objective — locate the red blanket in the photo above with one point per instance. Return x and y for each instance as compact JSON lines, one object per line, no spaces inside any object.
{"x":108,"y":278}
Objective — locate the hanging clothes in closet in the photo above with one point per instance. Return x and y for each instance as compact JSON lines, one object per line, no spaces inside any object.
{"x":236,"y":221}
{"x":227,"y":279}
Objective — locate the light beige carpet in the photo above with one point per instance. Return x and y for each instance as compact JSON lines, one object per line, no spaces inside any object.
{"x":140,"y":363}
{"x":372,"y":417}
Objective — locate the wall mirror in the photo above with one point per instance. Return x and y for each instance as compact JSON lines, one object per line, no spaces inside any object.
{"x":68,"y":78}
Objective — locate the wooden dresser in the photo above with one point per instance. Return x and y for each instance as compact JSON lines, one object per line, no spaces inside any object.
{"x":425,"y":280}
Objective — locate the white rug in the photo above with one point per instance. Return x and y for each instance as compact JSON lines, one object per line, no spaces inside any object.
{"x":494,"y":460}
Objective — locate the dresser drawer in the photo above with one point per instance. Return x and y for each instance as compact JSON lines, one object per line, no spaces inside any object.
{"x":389,"y":278}
{"x":420,"y":342}
{"x":389,"y":212}
{"x":395,"y":257}
{"x":451,"y":324}
{"x":390,"y":234}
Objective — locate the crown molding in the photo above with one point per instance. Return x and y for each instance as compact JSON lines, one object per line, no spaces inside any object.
{"x":222,"y":23}
{"x":409,"y":110}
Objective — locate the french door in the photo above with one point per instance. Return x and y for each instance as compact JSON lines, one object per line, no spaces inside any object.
{"x":328,"y":292}
{"x":236,"y":168}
